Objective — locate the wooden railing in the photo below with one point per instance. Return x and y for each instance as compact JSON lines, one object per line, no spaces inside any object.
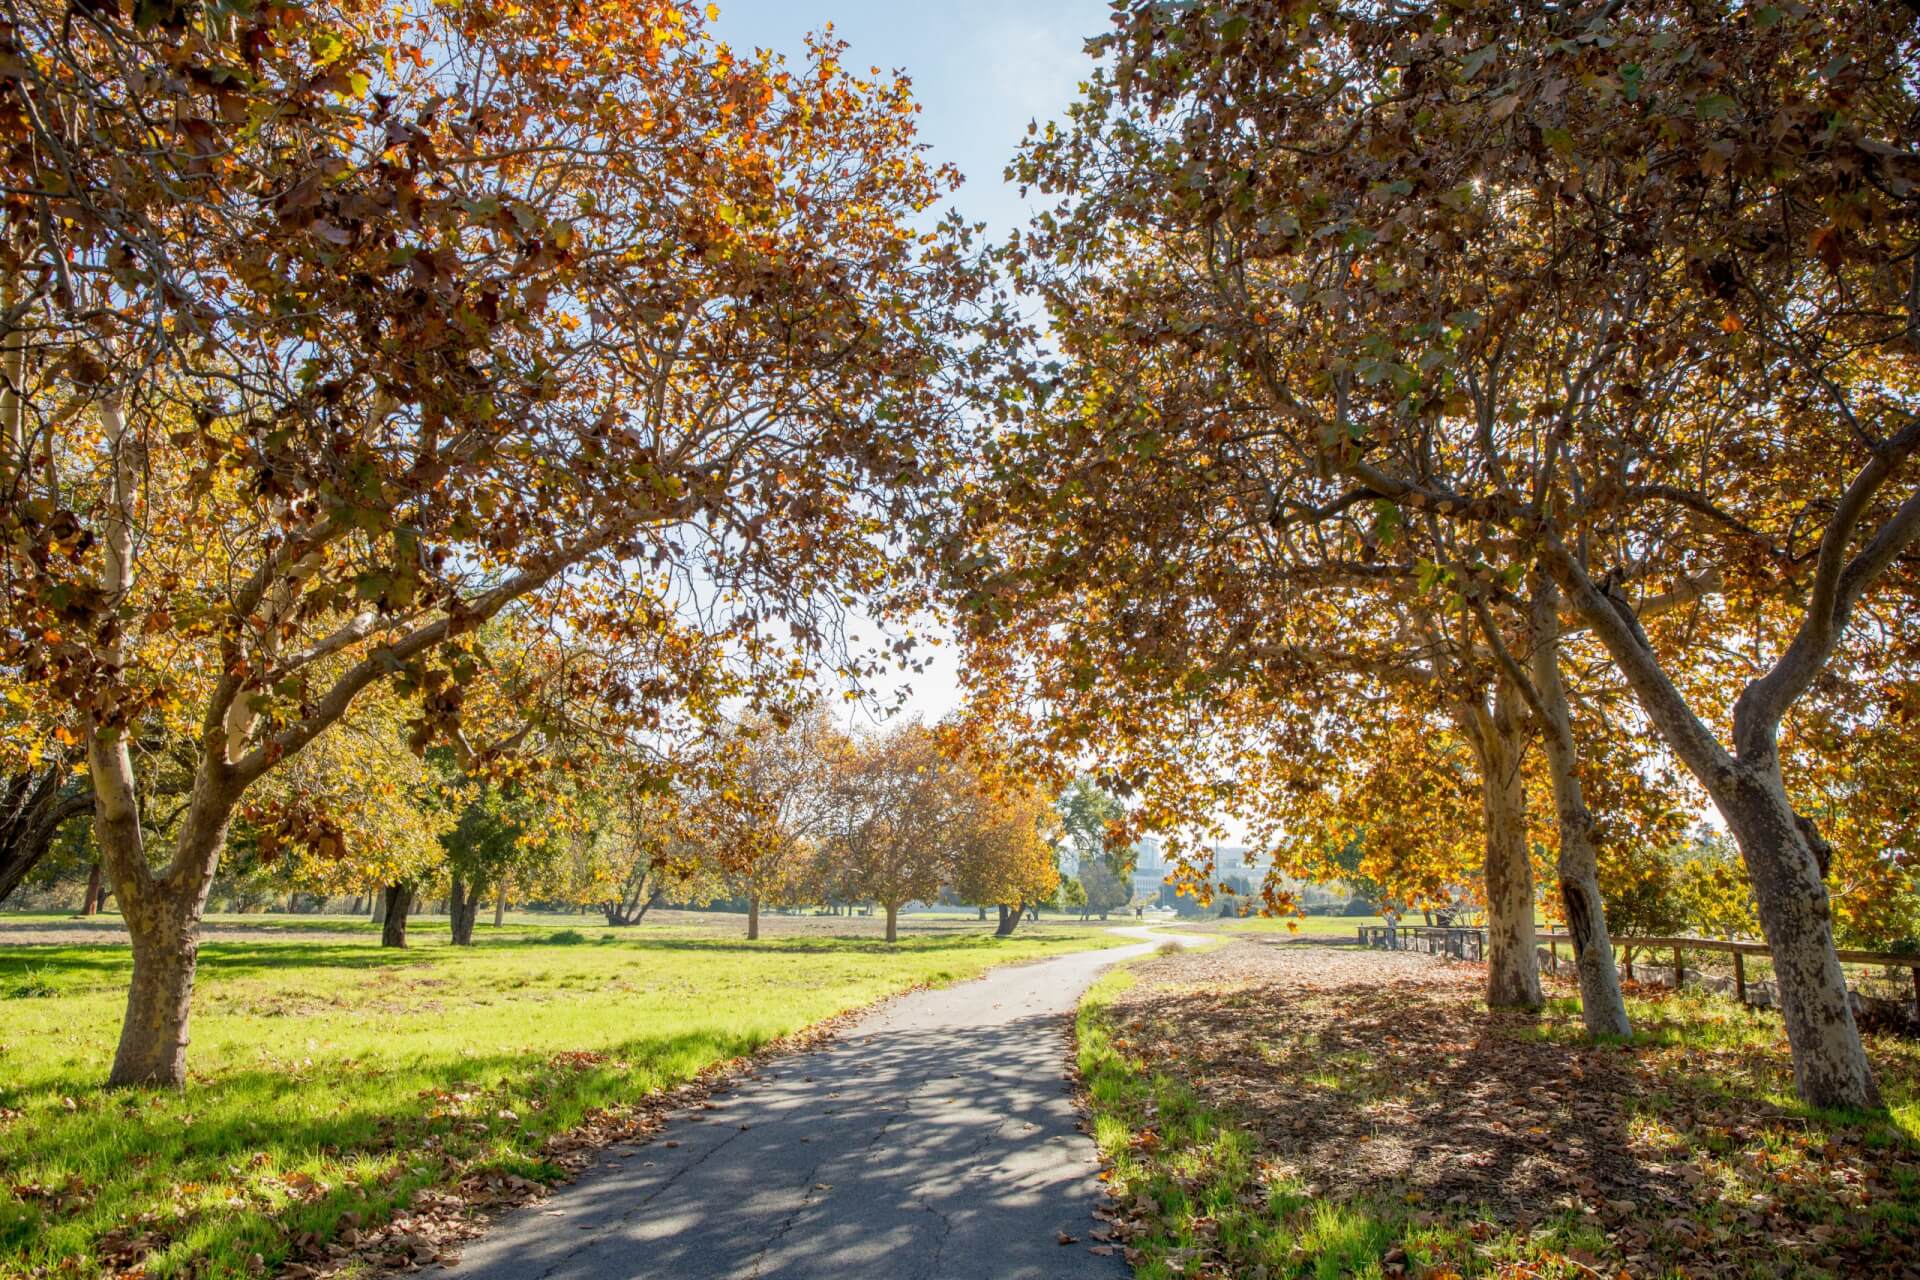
{"x":1470,"y":944}
{"x":1439,"y":940}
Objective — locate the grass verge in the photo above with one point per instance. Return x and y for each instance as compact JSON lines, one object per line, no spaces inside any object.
{"x":333,"y":1082}
{"x":1265,"y":1123}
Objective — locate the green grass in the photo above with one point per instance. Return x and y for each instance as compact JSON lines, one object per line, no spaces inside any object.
{"x":335,"y":1078}
{"x":1302,"y":926}
{"x":1739,"y":1056}
{"x":1196,"y":1188}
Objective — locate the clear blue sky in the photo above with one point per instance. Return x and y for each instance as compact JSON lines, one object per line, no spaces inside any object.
{"x":981,"y":70}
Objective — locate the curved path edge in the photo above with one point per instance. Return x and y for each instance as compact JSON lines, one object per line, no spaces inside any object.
{"x":935,"y":1138}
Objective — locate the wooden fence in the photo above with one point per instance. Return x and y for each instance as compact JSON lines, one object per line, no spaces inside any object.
{"x":1470,"y":944}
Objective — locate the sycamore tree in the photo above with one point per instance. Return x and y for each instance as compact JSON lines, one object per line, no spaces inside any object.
{"x":912,"y":811}
{"x":1004,"y":856}
{"x":643,"y":851}
{"x":41,"y":789}
{"x":891,"y":833}
{"x":1615,"y":301}
{"x":762,"y":805}
{"x":358,"y":808}
{"x":333,"y":332}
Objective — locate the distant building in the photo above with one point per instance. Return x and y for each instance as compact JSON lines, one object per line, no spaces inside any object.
{"x":1151,"y":866}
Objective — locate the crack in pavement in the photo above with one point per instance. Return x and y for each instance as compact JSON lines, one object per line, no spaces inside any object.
{"x":786,"y":1223}
{"x":599,"y":1236}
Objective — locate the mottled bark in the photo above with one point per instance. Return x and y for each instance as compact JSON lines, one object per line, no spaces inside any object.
{"x":1499,"y":740}
{"x":1602,"y":1008}
{"x":162,"y":912}
{"x":893,"y":922}
{"x":1782,"y":852}
{"x":1783,"y":859}
{"x":153,"y":1036}
{"x":91,"y":904}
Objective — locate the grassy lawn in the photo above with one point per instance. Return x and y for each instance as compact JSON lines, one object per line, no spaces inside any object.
{"x":1282,"y":1115}
{"x":332,"y":1080}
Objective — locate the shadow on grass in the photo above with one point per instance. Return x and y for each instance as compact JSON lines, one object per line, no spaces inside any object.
{"x":383,"y":1132}
{"x":1406,"y":1107}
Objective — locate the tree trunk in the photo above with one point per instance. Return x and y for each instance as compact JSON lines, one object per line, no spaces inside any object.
{"x":33,"y":808}
{"x":983,"y":913}
{"x":1500,"y":741}
{"x":500,"y":906}
{"x":153,"y":1037}
{"x":162,"y":915}
{"x":463,"y":908}
{"x":1601,"y":1006}
{"x":753,"y":917}
{"x":1782,"y":854}
{"x":1009,"y":921}
{"x":379,"y":906}
{"x":1783,"y":857}
{"x":90,"y":905}
{"x":399,"y":900}
{"x":893,"y":922}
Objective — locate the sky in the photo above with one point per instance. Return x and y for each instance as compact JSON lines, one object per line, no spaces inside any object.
{"x":981,"y":70}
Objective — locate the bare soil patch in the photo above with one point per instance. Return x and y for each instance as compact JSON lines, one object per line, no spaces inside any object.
{"x":1380,"y":1076}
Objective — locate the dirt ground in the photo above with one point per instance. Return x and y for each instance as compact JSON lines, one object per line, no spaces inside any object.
{"x":1379,"y":1074}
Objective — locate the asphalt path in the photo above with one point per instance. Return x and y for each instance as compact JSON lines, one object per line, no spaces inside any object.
{"x":934,"y":1139}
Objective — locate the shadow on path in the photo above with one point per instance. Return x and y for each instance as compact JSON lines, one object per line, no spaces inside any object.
{"x":936,"y":1138}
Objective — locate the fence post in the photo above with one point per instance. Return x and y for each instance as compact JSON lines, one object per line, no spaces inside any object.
{"x":1679,"y":969}
{"x":1740,"y":977}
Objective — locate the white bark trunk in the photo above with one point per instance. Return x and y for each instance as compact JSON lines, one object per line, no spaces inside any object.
{"x":1601,"y":1006}
{"x":1500,"y":741}
{"x":1830,"y":1067}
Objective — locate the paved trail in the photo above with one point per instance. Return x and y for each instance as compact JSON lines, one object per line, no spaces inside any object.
{"x":933,"y":1140}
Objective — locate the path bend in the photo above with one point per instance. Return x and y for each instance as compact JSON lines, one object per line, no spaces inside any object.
{"x":934,"y":1139}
